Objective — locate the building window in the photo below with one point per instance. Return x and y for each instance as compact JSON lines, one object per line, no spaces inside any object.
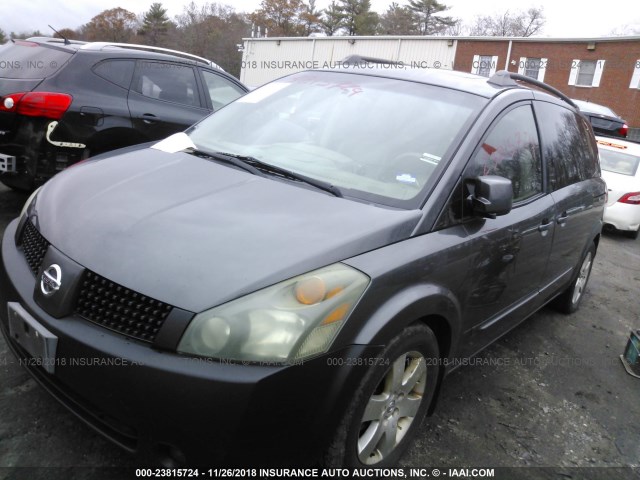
{"x":635,"y":77}
{"x":586,"y":73}
{"x":533,"y":67}
{"x":485,"y":65}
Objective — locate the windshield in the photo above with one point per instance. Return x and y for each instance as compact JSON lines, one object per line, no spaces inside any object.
{"x":618,"y":162}
{"x":374,"y":138}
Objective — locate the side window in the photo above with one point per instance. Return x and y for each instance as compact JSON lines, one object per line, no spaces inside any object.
{"x":116,"y":71}
{"x":220,"y":90}
{"x":511,"y":150}
{"x":167,"y":81}
{"x":567,"y":145}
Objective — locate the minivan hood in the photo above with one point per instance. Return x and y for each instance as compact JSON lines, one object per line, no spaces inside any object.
{"x":194,"y":233}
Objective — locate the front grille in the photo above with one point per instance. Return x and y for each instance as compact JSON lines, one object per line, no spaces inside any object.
{"x":102,"y":301}
{"x":116,"y":307}
{"x":34,"y":246}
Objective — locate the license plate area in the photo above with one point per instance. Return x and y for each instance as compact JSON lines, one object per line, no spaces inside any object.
{"x":32,"y":336}
{"x":7,"y":163}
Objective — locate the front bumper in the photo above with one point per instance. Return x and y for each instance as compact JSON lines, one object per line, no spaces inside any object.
{"x":168,"y":406}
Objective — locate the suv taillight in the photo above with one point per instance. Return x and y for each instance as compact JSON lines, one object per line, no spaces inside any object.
{"x":632,"y":198}
{"x":37,"y":104}
{"x":624,"y":130}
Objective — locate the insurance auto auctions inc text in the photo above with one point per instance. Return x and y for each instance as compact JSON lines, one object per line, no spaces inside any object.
{"x":374,"y":473}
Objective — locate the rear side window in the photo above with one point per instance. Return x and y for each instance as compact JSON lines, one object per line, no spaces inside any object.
{"x":167,"y":81}
{"x":29,"y":60}
{"x":567,"y":145}
{"x":116,"y":71}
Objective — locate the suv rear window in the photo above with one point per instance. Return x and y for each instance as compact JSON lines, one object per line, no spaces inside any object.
{"x":29,"y":60}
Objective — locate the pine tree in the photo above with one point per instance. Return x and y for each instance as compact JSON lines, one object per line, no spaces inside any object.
{"x":155,"y":24}
{"x":429,"y":23}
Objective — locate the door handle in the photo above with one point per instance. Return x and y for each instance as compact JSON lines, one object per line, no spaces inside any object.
{"x":149,"y":118}
{"x":544,"y":227}
{"x":562,"y":219}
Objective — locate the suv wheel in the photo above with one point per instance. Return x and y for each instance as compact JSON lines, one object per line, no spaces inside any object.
{"x":569,"y":301}
{"x":390,"y":402}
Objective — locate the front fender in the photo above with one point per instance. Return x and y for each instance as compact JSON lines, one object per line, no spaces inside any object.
{"x":377,"y":324}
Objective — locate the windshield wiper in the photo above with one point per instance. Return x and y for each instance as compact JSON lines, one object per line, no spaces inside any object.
{"x":223,"y":157}
{"x":283,"y":172}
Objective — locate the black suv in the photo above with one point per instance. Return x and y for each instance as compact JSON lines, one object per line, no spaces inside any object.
{"x":297,"y":273}
{"x":63,"y":101}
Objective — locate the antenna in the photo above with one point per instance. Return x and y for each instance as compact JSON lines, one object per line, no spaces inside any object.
{"x":66,"y":40}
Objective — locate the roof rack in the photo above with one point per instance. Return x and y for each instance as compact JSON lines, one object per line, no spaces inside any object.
{"x":53,"y":40}
{"x":150,"y":48}
{"x":504,"y":78}
{"x":359,"y":59}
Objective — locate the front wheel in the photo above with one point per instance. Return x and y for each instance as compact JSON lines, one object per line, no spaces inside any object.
{"x":569,"y":301}
{"x":390,"y":403}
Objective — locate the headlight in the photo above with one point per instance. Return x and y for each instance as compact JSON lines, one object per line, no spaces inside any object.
{"x":29,"y":201}
{"x":292,"y":320}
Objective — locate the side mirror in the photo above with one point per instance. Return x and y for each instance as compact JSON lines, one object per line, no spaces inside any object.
{"x":491,"y":195}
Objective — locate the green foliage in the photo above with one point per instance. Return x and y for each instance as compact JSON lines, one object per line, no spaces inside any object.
{"x":428,"y":20}
{"x":358,"y":19}
{"x":155,"y":25}
{"x":332,"y":18}
{"x":398,"y":20}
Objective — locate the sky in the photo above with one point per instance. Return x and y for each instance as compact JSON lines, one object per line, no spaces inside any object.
{"x":565,"y":18}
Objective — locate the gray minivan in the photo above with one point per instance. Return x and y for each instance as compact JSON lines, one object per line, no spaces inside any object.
{"x":298,"y":272}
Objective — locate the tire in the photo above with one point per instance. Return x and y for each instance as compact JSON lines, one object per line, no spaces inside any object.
{"x":633,"y":234}
{"x":373,"y":432}
{"x":569,"y":301}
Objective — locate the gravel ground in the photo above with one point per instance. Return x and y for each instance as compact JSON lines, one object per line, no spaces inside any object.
{"x":551,"y":394}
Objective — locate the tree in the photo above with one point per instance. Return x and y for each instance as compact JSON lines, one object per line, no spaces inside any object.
{"x":115,"y":25}
{"x":281,"y":18}
{"x":429,"y":22}
{"x":155,"y":25}
{"x":332,"y":19}
{"x":68,"y":33}
{"x":358,"y":19}
{"x":3,"y":36}
{"x":212,"y":31}
{"x":311,"y":18}
{"x":627,"y":30}
{"x":398,"y":20}
{"x":518,"y":24}
{"x":23,"y":35}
